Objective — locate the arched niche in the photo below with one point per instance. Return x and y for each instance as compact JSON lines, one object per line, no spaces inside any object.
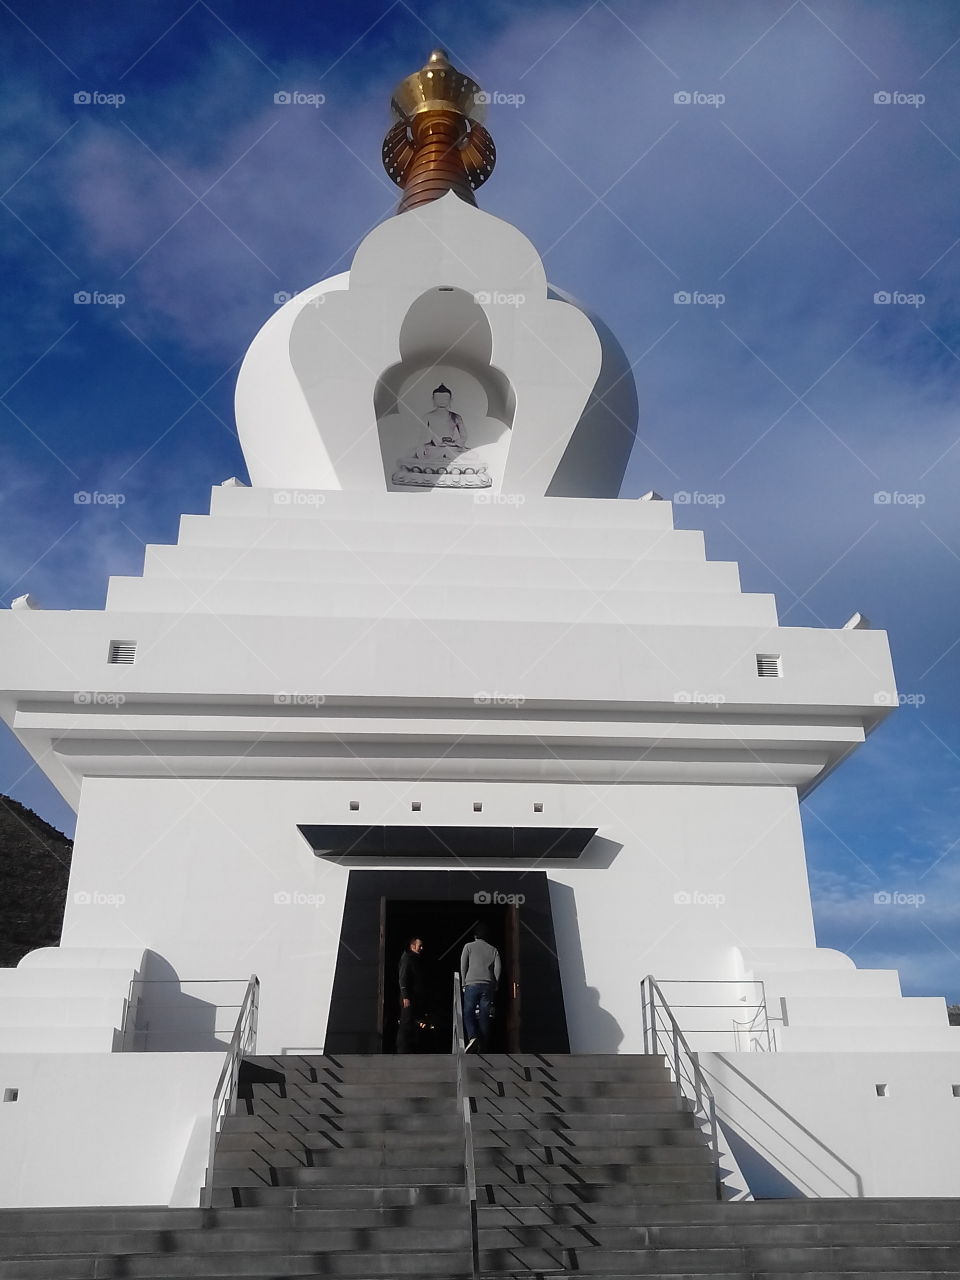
{"x":445,"y":339}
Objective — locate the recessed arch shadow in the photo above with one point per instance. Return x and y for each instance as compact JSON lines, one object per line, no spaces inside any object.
{"x":445,"y":339}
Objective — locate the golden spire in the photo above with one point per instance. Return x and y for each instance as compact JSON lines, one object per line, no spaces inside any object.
{"x":438,"y":143}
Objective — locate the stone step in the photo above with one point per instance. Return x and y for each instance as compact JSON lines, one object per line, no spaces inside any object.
{"x":396,"y":1089}
{"x":538,"y":1157}
{"x":334,"y":1238}
{"x":514,"y":1105}
{"x":504,"y":1173}
{"x":398,"y":1115}
{"x":432,"y":1154}
{"x":381,"y":1175}
{"x":633,"y":1235}
{"x":262,"y":1266}
{"x":818,"y":1210}
{"x":377,"y":1105}
{"x":342,"y":1206}
{"x":840,"y":1260}
{"x":565,"y":1089}
{"x":613,"y":1068}
{"x":802,"y":1235}
{"x":560,"y":1060}
{"x":339,"y":1175}
{"x":303,"y":1071}
{"x":580,"y":1140}
{"x":599,"y":1122}
{"x":690,"y":1233}
{"x":655,"y":1198}
{"x":286,"y":1198}
{"x":548,"y":1274}
{"x":414,"y":1064}
{"x":719,"y":1261}
{"x":331,"y":1139}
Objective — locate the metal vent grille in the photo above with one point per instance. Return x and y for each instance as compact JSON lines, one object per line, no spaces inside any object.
{"x":123,"y":651}
{"x":769,"y":664}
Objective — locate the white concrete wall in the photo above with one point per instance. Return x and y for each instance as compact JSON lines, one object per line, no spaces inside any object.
{"x":678,"y":879}
{"x":811,"y":1124}
{"x":102,"y":1129}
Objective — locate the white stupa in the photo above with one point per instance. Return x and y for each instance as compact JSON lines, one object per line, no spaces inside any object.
{"x":359,"y":698}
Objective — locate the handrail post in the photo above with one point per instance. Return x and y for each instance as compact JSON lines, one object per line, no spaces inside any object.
{"x":463,"y":1102}
{"x":243,"y":1040}
{"x":703,"y":1099}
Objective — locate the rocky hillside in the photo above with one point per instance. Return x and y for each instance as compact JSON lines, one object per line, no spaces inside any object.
{"x":34,"y":869}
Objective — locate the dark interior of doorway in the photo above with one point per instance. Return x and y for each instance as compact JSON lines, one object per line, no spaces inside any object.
{"x":360,"y":1022}
{"x":444,"y":927}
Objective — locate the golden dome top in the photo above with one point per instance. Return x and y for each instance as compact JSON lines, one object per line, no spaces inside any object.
{"x":438,"y":86}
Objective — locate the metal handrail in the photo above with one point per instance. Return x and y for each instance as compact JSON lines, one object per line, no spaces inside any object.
{"x":753,"y":1033}
{"x":132,"y":1035}
{"x":757,"y":1024}
{"x":686,"y":1067}
{"x":463,"y":1102}
{"x":243,"y":1041}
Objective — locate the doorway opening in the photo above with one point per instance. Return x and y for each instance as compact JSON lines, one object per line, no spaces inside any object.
{"x":384,"y":909}
{"x":444,"y":928}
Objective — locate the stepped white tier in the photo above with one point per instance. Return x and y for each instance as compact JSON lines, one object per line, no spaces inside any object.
{"x":327,"y":667}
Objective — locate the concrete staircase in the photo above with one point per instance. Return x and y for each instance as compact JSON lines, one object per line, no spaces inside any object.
{"x":593,"y":1166}
{"x":569,"y":1148}
{"x":586,"y":1165}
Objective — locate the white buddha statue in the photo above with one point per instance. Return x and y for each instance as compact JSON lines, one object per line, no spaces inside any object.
{"x":443,"y":458}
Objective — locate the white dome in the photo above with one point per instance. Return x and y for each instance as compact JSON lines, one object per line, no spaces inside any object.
{"x":337,"y":381}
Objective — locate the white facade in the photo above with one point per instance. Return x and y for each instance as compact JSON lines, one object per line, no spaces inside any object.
{"x":320,"y":649}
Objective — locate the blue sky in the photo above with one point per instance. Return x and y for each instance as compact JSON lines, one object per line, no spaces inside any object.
{"x":790,"y":405}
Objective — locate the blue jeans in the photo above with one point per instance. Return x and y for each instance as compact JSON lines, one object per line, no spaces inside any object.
{"x":477,"y":1001}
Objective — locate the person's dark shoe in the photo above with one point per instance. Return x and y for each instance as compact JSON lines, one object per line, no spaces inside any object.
{"x":469,"y":1045}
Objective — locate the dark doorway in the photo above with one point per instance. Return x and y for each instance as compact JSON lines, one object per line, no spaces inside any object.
{"x":444,"y":928}
{"x":385,"y":908}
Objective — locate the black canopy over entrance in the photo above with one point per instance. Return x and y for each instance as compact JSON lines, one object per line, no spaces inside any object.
{"x":384,"y":908}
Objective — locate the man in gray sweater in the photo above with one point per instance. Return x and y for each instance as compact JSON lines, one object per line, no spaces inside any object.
{"x":480,"y":977}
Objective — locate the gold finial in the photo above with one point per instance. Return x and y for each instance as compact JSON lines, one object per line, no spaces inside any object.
{"x":438,"y":143}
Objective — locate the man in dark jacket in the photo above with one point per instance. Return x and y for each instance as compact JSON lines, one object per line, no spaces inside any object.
{"x":412,"y":997}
